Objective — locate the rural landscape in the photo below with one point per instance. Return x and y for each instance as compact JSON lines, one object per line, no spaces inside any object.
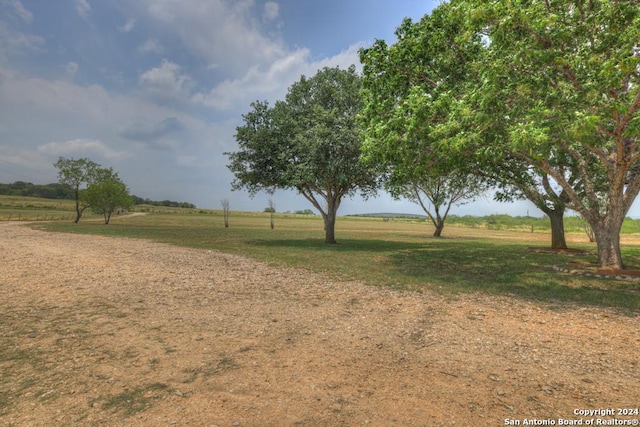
{"x":167,"y":317}
{"x":122,"y":310}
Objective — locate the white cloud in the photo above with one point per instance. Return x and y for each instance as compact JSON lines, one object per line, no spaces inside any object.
{"x":271,"y":83}
{"x":83,"y":8}
{"x":151,"y":46}
{"x":218,"y":31}
{"x":15,"y":42}
{"x":81,"y":147}
{"x":271,"y":10}
{"x":72,"y":68}
{"x":17,"y":9}
{"x":167,"y":82}
{"x":128,"y":26}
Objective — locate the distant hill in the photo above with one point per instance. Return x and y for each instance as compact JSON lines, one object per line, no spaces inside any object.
{"x":59,"y":191}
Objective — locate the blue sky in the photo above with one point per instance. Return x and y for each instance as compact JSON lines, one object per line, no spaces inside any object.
{"x":156,"y":88}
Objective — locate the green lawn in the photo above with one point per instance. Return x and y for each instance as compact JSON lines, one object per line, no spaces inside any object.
{"x":396,"y":254}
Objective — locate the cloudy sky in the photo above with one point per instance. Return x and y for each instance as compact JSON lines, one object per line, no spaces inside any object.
{"x":156,"y":88}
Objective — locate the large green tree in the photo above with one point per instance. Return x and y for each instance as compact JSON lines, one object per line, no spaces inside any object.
{"x":408,"y":88}
{"x":561,"y":80}
{"x":412,"y":90}
{"x":553,"y":86}
{"x":309,"y":142}
{"x":77,"y":174}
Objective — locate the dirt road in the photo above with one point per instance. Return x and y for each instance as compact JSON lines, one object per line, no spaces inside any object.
{"x":110,"y":331}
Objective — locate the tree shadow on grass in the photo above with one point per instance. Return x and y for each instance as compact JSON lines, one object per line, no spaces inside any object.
{"x":461,"y":265}
{"x":512,"y":270}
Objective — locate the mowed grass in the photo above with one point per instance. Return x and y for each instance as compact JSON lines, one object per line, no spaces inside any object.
{"x":397,"y":254}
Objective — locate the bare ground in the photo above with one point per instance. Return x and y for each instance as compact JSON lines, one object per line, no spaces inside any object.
{"x":109,"y":331}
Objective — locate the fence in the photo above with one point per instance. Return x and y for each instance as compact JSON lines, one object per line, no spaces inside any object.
{"x":38,"y":217}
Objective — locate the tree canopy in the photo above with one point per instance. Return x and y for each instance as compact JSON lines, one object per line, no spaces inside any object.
{"x":552,"y":88}
{"x":309,"y":142}
{"x":562,"y":80}
{"x":93,"y":186}
{"x":77,"y":174}
{"x":108,"y":195}
{"x":408,"y":88}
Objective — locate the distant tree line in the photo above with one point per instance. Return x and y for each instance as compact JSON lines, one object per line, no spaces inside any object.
{"x":59,"y":191}
{"x":47,"y":191}
{"x":165,"y":203}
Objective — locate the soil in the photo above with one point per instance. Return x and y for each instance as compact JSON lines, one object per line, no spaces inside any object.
{"x":110,"y":331}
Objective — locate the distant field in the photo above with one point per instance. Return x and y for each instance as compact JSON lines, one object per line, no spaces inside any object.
{"x":399,"y":254}
{"x":18,"y":208}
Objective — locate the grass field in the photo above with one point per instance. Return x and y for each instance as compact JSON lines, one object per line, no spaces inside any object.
{"x":399,"y":254}
{"x":18,"y":208}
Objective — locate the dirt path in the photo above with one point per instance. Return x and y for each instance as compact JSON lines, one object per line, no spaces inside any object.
{"x":108,"y":331}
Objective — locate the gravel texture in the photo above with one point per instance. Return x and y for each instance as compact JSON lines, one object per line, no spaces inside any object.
{"x":111,"y":331}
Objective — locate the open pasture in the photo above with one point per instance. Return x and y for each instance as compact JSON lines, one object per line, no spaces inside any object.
{"x":398,"y":254}
{"x":19,"y":208}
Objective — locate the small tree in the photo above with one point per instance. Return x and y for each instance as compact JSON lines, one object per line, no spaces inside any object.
{"x":225,"y":211}
{"x":436,"y":194}
{"x":74,"y":174}
{"x":106,"y":196}
{"x":272,"y":212}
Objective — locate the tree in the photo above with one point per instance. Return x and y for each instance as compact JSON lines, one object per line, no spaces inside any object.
{"x":517,"y":180}
{"x":309,"y":142}
{"x":76,"y":173}
{"x":225,"y":211}
{"x":436,"y":194}
{"x":272,"y":212}
{"x":411,"y":89}
{"x":408,"y":88}
{"x":107,"y":195}
{"x":554,"y":86}
{"x":562,"y":80}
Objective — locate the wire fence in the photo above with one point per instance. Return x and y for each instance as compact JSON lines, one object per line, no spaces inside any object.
{"x":36,"y":217}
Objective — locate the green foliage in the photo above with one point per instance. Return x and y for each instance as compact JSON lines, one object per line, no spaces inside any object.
{"x":561,"y":91}
{"x":309,"y":142}
{"x":48,"y":191}
{"x":76,"y":173}
{"x":93,"y":186}
{"x":305,"y":212}
{"x":166,"y":203}
{"x":408,"y":89}
{"x":544,"y":90}
{"x":60,"y":191}
{"x":106,"y":196}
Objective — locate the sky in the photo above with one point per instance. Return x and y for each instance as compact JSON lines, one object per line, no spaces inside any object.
{"x":156,"y":88}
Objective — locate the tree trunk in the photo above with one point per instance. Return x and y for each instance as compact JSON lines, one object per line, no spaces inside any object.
{"x":556,"y":217}
{"x":78,"y":212}
{"x":439,"y":224}
{"x":76,"y":196}
{"x":607,"y":234}
{"x":330,"y":227}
